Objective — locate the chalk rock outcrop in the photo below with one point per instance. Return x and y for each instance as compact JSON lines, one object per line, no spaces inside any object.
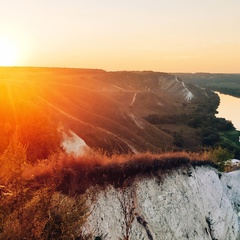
{"x":188,"y":203}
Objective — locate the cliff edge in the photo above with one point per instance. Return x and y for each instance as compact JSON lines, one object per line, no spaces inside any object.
{"x":187,"y":203}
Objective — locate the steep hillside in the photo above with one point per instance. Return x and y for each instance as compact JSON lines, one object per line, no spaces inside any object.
{"x":108,"y":110}
{"x":189,"y":203}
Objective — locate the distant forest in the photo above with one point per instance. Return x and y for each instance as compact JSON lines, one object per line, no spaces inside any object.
{"x":223,"y":83}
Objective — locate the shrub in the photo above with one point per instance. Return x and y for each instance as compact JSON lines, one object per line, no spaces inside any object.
{"x":219,"y":156}
{"x":12,"y":160}
{"x":178,"y":139}
{"x":210,"y":136}
{"x":45,"y":214}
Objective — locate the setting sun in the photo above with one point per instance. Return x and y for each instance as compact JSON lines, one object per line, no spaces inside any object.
{"x":8,"y":52}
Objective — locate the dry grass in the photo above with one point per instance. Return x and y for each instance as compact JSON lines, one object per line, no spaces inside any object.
{"x":43,"y":214}
{"x":47,"y":200}
{"x":74,"y":175}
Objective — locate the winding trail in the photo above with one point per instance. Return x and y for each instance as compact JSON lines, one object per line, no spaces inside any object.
{"x":134,"y":98}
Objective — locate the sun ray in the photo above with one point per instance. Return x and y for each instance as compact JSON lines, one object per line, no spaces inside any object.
{"x":12,"y":103}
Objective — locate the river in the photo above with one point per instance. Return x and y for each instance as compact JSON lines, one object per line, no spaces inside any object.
{"x":229,"y":108}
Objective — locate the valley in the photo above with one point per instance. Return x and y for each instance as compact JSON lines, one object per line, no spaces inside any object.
{"x":221,"y":82}
{"x":89,"y":142}
{"x":113,"y":112}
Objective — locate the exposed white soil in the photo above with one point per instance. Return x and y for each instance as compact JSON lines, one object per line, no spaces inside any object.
{"x":188,"y":203}
{"x":73,"y":144}
{"x":188,"y":95}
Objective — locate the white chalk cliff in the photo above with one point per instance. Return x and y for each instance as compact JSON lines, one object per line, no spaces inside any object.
{"x":188,"y":203}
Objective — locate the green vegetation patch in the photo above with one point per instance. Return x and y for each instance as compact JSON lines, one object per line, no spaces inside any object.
{"x":230,"y":140}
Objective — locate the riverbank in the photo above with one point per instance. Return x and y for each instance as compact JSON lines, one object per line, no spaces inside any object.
{"x":229,"y":109}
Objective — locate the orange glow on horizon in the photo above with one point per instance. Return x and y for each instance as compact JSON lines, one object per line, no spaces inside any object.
{"x":165,"y":36}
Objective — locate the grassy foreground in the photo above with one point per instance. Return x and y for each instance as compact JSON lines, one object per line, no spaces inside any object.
{"x":47,"y":199}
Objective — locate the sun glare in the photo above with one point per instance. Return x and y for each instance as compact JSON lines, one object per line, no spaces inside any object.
{"x":8,"y":52}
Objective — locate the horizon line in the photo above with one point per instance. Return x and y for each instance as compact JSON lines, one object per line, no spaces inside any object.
{"x":100,"y":69}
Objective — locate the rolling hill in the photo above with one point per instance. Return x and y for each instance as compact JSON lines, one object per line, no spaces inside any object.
{"x":110,"y":111}
{"x":112,"y":195}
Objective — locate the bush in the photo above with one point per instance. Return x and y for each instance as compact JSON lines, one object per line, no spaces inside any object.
{"x":223,"y":125}
{"x":12,"y":160}
{"x":43,"y":214}
{"x":178,"y":140}
{"x":220,"y":155}
{"x":195,"y":121}
{"x":210,"y":136}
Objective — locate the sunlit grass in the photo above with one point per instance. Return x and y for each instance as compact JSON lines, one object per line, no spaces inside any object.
{"x":74,"y":175}
{"x":47,"y":199}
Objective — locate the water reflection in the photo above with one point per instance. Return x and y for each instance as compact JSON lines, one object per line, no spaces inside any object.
{"x":229,"y":108}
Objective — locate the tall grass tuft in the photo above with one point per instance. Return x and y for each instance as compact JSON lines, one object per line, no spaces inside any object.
{"x":75,"y":175}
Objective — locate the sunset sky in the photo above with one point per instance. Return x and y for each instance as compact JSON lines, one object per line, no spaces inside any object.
{"x":159,"y":35}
